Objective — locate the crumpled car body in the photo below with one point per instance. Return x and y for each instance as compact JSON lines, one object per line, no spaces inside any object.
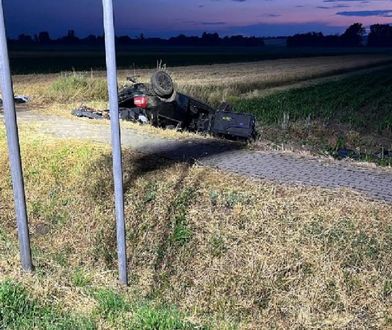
{"x":160,"y":105}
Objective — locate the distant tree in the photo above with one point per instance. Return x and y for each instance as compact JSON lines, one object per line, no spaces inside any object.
{"x":207,"y":39}
{"x":44,"y":38}
{"x":210,"y":39}
{"x":311,"y":39}
{"x":91,"y":38}
{"x":241,"y":41}
{"x":380,"y":35}
{"x":70,"y":38}
{"x":25,"y":39}
{"x":124,"y":40}
{"x":353,"y":37}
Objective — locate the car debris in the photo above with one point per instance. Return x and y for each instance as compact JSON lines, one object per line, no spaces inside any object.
{"x":19,"y":99}
{"x":159,"y":104}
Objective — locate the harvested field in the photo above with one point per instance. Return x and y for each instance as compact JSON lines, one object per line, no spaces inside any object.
{"x":212,"y":83}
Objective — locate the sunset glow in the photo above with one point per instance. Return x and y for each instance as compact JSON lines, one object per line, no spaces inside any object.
{"x":171,"y":17}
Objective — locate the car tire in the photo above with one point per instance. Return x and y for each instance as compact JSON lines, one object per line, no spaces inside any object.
{"x":162,"y":84}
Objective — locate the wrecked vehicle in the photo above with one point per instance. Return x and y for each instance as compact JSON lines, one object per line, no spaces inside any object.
{"x":159,"y":104}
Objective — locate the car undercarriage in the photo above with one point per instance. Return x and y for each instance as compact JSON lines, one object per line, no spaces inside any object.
{"x":160,"y":105}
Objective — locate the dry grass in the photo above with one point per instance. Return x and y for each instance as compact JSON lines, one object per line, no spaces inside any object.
{"x":228,"y":251}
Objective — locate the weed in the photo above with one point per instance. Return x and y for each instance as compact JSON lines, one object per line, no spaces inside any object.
{"x":233,"y":198}
{"x":162,"y":318}
{"x":77,"y":87}
{"x":151,"y":193}
{"x":214,"y":196}
{"x":104,"y":247}
{"x":110,"y":303}
{"x":218,"y":246}
{"x":61,"y":257}
{"x":182,"y":233}
{"x":80,"y":278}
{"x":126,"y":315}
{"x":387,"y":291}
{"x":351,"y":281}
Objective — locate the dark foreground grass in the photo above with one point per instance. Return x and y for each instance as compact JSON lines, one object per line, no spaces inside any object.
{"x":354,"y":112}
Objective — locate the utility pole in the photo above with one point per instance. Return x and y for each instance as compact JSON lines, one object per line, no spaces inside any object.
{"x":111,"y":66}
{"x":14,"y":149}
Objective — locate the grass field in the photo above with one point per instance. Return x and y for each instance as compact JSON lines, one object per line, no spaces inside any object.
{"x":206,"y":250}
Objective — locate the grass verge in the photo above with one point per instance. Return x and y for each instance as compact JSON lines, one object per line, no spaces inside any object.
{"x":205,"y":249}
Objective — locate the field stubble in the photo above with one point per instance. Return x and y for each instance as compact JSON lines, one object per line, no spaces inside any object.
{"x":211,"y":83}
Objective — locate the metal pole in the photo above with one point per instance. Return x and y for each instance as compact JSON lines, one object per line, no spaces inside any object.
{"x":110,"y":48}
{"x":14,"y":148}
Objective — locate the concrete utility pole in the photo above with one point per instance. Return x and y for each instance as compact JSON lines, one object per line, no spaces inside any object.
{"x":116,"y":137}
{"x":14,"y":148}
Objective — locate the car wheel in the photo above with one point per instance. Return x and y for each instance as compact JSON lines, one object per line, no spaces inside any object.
{"x":162,"y":84}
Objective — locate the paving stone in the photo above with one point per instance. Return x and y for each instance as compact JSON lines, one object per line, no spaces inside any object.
{"x":280,"y":167}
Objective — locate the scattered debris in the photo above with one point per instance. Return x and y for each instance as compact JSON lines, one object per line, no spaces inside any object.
{"x":88,"y":113}
{"x":160,"y":105}
{"x":19,"y":99}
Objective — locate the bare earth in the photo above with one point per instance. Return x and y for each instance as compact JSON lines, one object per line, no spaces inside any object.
{"x":374,"y":183}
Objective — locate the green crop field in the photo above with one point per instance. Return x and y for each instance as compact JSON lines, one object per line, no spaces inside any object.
{"x":355,"y":112}
{"x":363,"y":101}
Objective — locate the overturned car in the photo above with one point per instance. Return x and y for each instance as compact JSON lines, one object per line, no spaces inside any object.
{"x":159,"y":104}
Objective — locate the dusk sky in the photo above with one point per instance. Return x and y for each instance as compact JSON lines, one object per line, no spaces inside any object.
{"x":165,"y":18}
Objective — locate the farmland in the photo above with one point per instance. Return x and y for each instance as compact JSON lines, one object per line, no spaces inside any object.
{"x":52,"y":59}
{"x":211,"y":83}
{"x":351,"y":111}
{"x":206,"y":249}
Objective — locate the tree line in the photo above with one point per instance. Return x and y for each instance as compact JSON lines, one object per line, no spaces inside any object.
{"x":207,"y":39}
{"x":380,"y":35}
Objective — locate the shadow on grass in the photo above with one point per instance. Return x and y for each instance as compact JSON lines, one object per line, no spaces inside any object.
{"x":174,"y":231}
